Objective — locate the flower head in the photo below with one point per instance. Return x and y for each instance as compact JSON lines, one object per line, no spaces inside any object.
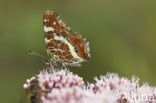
{"x":65,"y":87}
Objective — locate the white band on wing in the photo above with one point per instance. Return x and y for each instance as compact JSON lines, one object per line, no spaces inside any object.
{"x":47,"y":29}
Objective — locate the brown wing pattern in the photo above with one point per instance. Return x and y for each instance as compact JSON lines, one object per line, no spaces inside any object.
{"x":81,"y":44}
{"x":51,"y":19}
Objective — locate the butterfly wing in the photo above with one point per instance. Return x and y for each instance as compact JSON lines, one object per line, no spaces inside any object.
{"x":63,"y":46}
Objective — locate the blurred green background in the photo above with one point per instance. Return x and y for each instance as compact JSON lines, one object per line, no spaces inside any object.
{"x":122,"y":35}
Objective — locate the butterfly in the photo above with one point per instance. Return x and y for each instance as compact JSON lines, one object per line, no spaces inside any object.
{"x":64,"y":47}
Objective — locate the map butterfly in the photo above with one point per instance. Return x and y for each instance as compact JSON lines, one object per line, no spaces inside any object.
{"x":64,"y":47}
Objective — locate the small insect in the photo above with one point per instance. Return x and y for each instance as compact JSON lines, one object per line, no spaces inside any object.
{"x":64,"y":47}
{"x":34,"y":91}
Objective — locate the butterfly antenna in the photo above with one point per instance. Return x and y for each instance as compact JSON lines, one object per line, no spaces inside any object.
{"x":35,"y":53}
{"x":30,"y":52}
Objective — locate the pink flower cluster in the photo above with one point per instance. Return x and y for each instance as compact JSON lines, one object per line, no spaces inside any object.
{"x":66,"y":87}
